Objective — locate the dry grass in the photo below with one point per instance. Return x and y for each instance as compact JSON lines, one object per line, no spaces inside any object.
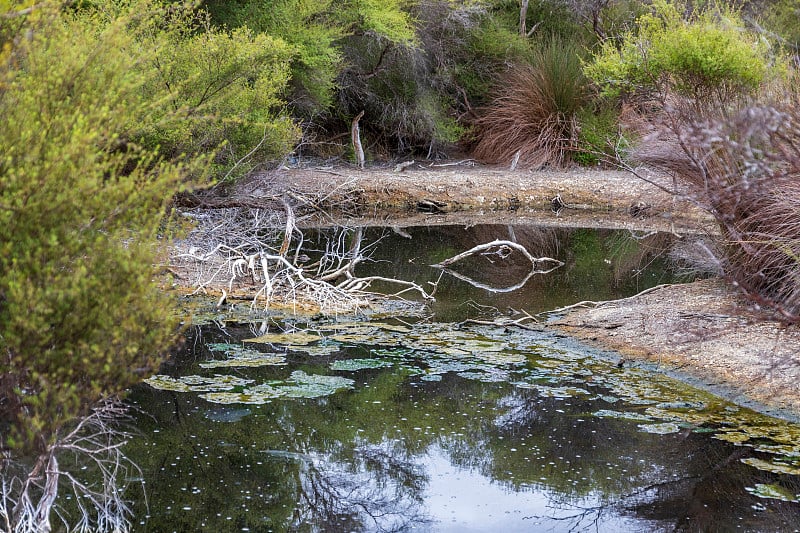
{"x":745,"y":170}
{"x":533,"y":110}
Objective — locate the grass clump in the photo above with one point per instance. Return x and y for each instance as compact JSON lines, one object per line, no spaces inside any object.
{"x":743,"y":168}
{"x":534,"y":109}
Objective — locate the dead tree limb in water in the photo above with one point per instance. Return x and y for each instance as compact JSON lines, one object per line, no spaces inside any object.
{"x":502,"y":250}
{"x":355,"y":133}
{"x":499,"y":244}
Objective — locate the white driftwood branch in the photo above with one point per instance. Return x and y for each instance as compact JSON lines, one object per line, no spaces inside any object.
{"x":355,"y":133}
{"x":535,"y":261}
{"x":592,"y":303}
{"x":495,"y":244}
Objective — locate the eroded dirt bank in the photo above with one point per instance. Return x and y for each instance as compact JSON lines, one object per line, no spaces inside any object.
{"x":455,"y":193}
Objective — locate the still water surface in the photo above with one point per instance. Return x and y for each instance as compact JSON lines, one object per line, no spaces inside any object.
{"x":286,"y":423}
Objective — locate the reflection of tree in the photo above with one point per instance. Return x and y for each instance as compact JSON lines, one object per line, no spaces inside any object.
{"x":356,"y":461}
{"x":89,"y":463}
{"x":601,"y":469}
{"x":379,"y":492}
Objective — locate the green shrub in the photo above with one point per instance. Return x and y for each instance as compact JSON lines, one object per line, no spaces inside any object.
{"x":308,"y":30}
{"x":80,"y":205}
{"x":216,"y":87}
{"x":599,"y":138}
{"x":315,"y":33}
{"x":707,"y":56}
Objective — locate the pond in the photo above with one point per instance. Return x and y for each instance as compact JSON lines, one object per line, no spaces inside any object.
{"x":434,"y":423}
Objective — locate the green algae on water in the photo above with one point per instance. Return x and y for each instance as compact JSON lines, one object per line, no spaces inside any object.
{"x":358,"y":364}
{"x":219,"y":382}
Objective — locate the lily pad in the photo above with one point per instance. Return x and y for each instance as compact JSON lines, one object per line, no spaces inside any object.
{"x":222,"y":346}
{"x":250,"y":359}
{"x":316,"y":350}
{"x":735,"y":437}
{"x":255,"y":396}
{"x":485,"y":377}
{"x":772,"y":466}
{"x":197,"y":383}
{"x":609,"y":413}
{"x":664,"y":428}
{"x":358,"y":364}
{"x":297,"y":337}
{"x":554,"y":392}
{"x":298,"y":385}
{"x":772,"y":491}
{"x":314,"y":385}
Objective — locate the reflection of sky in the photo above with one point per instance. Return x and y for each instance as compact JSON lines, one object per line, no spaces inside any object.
{"x":463,"y":501}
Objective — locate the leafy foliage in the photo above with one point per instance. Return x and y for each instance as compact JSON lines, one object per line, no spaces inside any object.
{"x":707,"y":56}
{"x":314,"y":32}
{"x":216,"y":87}
{"x":80,"y":205}
{"x":309,"y":32}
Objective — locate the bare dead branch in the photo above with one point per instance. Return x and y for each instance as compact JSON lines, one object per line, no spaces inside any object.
{"x":501,"y":248}
{"x":355,"y":135}
{"x":592,"y":303}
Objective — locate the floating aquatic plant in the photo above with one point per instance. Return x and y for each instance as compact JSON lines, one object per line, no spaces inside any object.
{"x":623,"y":415}
{"x":777,"y":467}
{"x":314,"y":385}
{"x":316,"y":350}
{"x":664,"y":428}
{"x":298,"y":385}
{"x":247,"y":359}
{"x":296,"y":337}
{"x":358,"y":364}
{"x":773,"y":492}
{"x":197,"y":383}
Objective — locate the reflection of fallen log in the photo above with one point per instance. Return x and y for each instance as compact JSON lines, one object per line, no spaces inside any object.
{"x":501,"y":249}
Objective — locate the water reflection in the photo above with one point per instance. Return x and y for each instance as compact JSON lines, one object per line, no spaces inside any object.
{"x":599,"y":265}
{"x":488,"y":440}
{"x":448,"y":428}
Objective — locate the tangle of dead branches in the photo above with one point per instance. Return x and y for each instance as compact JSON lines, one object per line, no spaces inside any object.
{"x":265,"y":255}
{"x":744,"y":168}
{"x":88,"y":463}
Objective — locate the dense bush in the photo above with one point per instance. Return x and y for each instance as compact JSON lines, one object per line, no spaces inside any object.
{"x":80,"y":317}
{"x":215,"y":87}
{"x":707,"y":57}
{"x":108,"y":111}
{"x":314,"y":32}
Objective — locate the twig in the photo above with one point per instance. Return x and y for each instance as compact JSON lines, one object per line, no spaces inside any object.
{"x":591,"y":303}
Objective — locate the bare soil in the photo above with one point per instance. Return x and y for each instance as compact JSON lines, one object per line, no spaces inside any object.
{"x":705,"y":333}
{"x":455,"y":193}
{"x":702,"y":331}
